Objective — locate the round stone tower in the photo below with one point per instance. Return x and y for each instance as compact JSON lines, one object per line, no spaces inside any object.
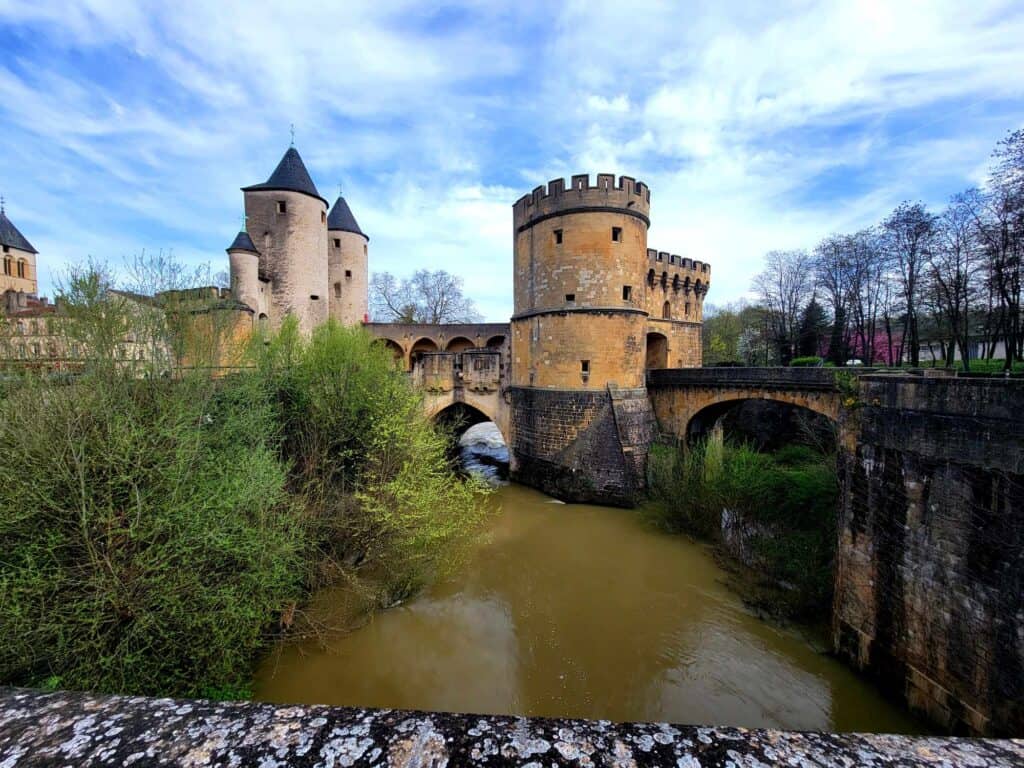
{"x":347,"y":266}
{"x":245,"y":266}
{"x":580,"y":411}
{"x":287,"y":220}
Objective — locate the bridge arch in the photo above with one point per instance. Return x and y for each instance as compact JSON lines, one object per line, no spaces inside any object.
{"x":394,"y":347}
{"x":465,"y":414}
{"x":459,"y":344}
{"x":706,"y":414}
{"x":495,"y":342}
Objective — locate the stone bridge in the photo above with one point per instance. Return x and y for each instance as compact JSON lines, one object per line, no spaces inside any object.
{"x":461,"y":369}
{"x":688,"y":401}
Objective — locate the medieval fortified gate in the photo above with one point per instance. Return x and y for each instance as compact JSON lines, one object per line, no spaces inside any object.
{"x":602,"y":356}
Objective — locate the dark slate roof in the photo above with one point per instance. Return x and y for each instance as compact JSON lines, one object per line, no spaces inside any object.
{"x":242,"y":242}
{"x":341,"y":218}
{"x":290,"y":175}
{"x":10,"y":236}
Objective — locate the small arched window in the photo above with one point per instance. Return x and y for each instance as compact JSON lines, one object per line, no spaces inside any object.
{"x":21,"y":268}
{"x":8,"y":265}
{"x":666,"y":311}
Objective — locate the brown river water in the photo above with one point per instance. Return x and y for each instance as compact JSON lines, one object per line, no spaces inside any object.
{"x":582,"y":611}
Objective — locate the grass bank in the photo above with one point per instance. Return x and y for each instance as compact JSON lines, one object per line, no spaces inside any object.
{"x":772,"y":517}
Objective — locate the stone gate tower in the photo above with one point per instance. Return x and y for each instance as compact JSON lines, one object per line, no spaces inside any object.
{"x":581,"y":417}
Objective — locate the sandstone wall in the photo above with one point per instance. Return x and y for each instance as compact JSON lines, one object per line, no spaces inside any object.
{"x":930,"y":565}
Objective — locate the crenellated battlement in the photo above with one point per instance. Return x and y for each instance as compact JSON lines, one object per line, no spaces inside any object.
{"x":628,"y":194}
{"x":666,"y":268}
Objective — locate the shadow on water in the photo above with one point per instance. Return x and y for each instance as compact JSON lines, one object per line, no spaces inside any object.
{"x":579,"y":611}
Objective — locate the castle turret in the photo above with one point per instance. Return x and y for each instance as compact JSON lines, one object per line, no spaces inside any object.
{"x":347,"y":266}
{"x":19,"y":259}
{"x":286,"y":218}
{"x":580,"y":411}
{"x":245,"y":267}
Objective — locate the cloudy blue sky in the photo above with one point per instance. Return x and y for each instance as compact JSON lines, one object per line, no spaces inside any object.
{"x":131,"y":125}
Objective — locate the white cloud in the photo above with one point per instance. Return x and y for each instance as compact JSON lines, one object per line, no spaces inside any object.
{"x":133,"y":124}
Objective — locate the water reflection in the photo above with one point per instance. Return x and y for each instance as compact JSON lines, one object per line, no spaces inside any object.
{"x":581,"y":611}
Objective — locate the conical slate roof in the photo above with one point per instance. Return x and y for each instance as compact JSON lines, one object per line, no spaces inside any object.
{"x":11,"y":237}
{"x":242,"y":242}
{"x":341,"y":218}
{"x":290,"y":175}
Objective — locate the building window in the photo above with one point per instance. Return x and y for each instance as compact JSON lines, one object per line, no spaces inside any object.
{"x":364,"y":249}
{"x":282,"y":207}
{"x":323,"y":217}
{"x":666,"y":311}
{"x":687,"y":309}
{"x":314,"y":298}
{"x":627,"y":293}
{"x":337,"y":242}
{"x":348,"y":274}
{"x":21,"y":269}
{"x":558,"y":237}
{"x":570,"y":297}
{"x":7,"y":265}
{"x":337,"y":290}
{"x":585,"y":367}
{"x":616,"y":234}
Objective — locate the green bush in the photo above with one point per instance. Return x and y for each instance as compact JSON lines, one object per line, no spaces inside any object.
{"x":156,"y":533}
{"x":146,"y":539}
{"x":373,"y":469}
{"x":789,"y":497}
{"x":806,"y":362}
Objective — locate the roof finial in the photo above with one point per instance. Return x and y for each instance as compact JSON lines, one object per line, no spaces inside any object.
{"x":244,"y":219}
{"x":339,"y":189}
{"x":293,"y":134}
{"x":2,"y":201}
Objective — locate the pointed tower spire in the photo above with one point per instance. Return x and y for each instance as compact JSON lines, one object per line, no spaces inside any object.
{"x":9,"y":234}
{"x":290,"y":176}
{"x":341,"y":219}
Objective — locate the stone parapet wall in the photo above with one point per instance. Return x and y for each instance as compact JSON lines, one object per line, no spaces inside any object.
{"x":85,"y":730}
{"x":930,"y":562}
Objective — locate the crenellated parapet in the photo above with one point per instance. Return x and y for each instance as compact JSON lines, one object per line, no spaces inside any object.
{"x":627,"y":195}
{"x":677,"y":273}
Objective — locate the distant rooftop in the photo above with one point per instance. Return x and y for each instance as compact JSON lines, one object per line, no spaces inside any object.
{"x":289,"y":176}
{"x":11,"y":237}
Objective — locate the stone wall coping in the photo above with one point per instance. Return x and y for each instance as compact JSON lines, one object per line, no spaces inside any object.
{"x":81,"y":729}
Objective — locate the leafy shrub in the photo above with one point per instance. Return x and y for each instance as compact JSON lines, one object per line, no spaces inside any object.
{"x":156,"y":533}
{"x":788,"y":499}
{"x":806,"y":362}
{"x":372,"y":468}
{"x":146,"y":539}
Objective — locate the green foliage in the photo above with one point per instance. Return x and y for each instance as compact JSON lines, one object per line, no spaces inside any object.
{"x":787,"y":501}
{"x":373,"y":469}
{"x":156,"y":532}
{"x":811,"y":361}
{"x":146,"y":539}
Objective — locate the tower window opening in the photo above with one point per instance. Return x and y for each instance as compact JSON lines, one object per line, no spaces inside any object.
{"x":348,"y":273}
{"x":337,"y":242}
{"x":666,"y":311}
{"x":569,"y":297}
{"x":627,"y":293}
{"x":337,"y":290}
{"x":364,"y":249}
{"x":282,"y":206}
{"x":585,"y":367}
{"x":7,"y":265}
{"x":687,"y":309}
{"x":617,"y":234}
{"x":558,"y":237}
{"x":323,"y":217}
{"x":314,"y":298}
{"x":21,"y":269}
{"x":7,"y":249}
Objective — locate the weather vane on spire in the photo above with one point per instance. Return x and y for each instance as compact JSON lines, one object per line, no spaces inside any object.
{"x":293,"y":133}
{"x":339,"y":189}
{"x":2,"y":204}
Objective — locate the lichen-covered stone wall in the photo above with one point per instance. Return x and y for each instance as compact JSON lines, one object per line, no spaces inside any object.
{"x":73,"y":729}
{"x":930,"y":563}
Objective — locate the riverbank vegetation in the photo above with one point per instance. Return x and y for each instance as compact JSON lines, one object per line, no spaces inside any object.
{"x":159,"y":526}
{"x":771,"y":515}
